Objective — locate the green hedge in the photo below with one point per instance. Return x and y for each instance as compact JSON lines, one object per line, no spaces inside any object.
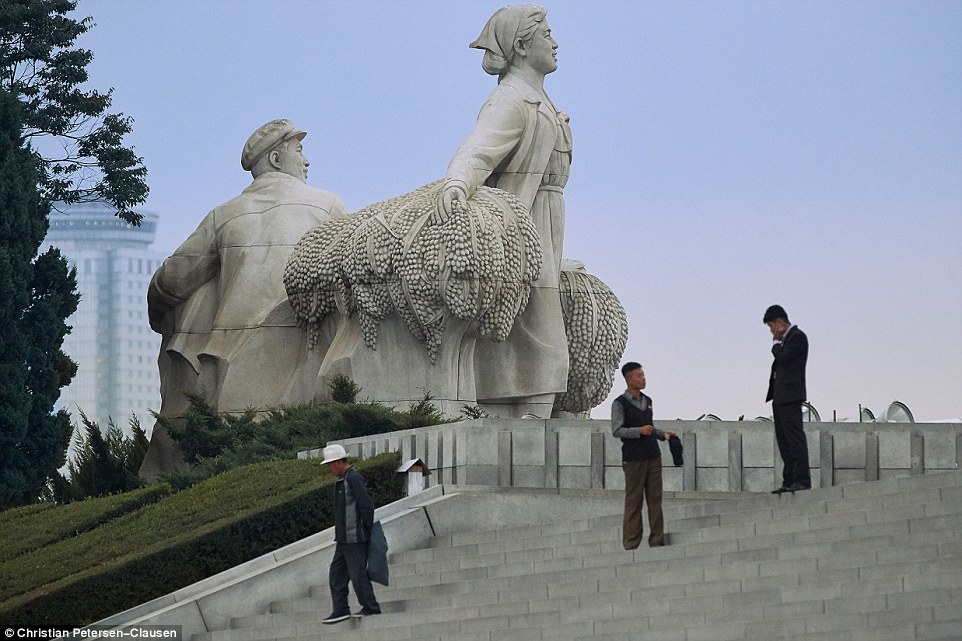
{"x":27,"y":529}
{"x":189,"y":536}
{"x":14,"y":513}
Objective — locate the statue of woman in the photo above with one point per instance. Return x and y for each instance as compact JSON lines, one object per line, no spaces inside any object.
{"x":521,"y":144}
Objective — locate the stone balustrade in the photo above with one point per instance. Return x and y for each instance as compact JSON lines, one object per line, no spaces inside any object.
{"x":720,"y":456}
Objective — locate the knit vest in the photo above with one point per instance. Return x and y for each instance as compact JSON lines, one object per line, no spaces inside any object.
{"x":638,"y":449}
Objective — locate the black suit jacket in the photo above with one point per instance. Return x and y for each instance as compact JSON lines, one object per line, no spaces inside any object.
{"x":787,"y":381}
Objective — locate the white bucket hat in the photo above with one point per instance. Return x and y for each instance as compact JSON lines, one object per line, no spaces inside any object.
{"x":334,"y":453}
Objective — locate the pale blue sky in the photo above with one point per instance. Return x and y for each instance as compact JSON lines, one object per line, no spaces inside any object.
{"x":727,"y":155}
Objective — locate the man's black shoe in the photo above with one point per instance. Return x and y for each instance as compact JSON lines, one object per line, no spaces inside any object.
{"x":365,"y":612}
{"x":334,"y":617}
{"x":780,"y":490}
{"x":798,"y":487}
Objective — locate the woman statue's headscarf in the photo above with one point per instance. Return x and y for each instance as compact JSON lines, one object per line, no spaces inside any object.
{"x":499,"y":35}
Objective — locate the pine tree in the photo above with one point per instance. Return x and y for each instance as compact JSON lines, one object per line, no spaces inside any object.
{"x":40,"y":67}
{"x":37,"y":294}
{"x":105,"y":463}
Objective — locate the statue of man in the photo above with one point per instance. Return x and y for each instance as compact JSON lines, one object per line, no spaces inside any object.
{"x":219,"y":301}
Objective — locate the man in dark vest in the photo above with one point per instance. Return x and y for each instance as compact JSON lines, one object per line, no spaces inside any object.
{"x":786,"y":391}
{"x":631,"y":421}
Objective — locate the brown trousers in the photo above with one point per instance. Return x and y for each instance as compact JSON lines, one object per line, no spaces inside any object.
{"x":643,"y":483}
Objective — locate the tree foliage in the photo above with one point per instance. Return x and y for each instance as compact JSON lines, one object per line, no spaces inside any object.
{"x":37,"y":293}
{"x":84,"y":158}
{"x":342,"y":388}
{"x":105,"y":463}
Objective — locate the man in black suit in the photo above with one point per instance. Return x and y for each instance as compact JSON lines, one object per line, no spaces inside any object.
{"x":786,"y":391}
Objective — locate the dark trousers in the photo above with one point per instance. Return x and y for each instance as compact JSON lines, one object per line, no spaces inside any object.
{"x":642,"y":483}
{"x":350,"y":563}
{"x":792,"y":444}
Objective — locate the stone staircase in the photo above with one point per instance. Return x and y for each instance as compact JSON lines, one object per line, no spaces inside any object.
{"x":876,"y":561}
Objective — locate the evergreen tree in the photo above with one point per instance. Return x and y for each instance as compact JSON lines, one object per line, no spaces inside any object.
{"x":105,"y":464}
{"x":37,"y":294}
{"x":42,"y":69}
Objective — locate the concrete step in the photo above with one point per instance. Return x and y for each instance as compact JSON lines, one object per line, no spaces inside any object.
{"x":754,"y":569}
{"x":690,"y":588}
{"x":685,"y":594}
{"x":876,"y":560}
{"x":705,"y":586}
{"x":763,"y":616}
{"x":540,"y":546}
{"x":879,"y":496}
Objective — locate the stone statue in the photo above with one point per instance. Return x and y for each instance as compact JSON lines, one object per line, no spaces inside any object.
{"x":521,"y":144}
{"x":219,"y":301}
{"x":415,"y":296}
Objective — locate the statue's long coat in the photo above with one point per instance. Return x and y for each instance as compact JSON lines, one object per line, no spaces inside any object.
{"x":522,"y":144}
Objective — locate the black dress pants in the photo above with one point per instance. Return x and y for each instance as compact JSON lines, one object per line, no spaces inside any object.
{"x":350,"y":563}
{"x":792,"y":444}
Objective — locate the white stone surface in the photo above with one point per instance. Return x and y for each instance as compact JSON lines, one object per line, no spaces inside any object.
{"x":713,"y":448}
{"x":574,"y":447}
{"x":812,"y":437}
{"x":672,"y":479}
{"x":529,"y":446}
{"x":712,"y":479}
{"x":758,"y":448}
{"x":847,"y":475}
{"x":849,"y":450}
{"x":894,"y":450}
{"x":574,"y":476}
{"x":758,"y":479}
{"x":940,"y":451}
{"x":615,"y":478}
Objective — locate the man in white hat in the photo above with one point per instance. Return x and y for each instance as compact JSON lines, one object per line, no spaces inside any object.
{"x":353,"y":519}
{"x":219,"y":301}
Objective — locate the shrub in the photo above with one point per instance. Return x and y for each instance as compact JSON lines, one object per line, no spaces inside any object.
{"x":343,"y":389}
{"x":30,"y":527}
{"x":423,"y":413}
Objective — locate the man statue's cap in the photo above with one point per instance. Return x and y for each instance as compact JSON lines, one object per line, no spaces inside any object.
{"x":268,"y":137}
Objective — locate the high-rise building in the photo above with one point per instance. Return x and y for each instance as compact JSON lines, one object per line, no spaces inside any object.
{"x":111,"y":339}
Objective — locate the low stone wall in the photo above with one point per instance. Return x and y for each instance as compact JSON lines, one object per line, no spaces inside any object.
{"x":719,"y":456}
